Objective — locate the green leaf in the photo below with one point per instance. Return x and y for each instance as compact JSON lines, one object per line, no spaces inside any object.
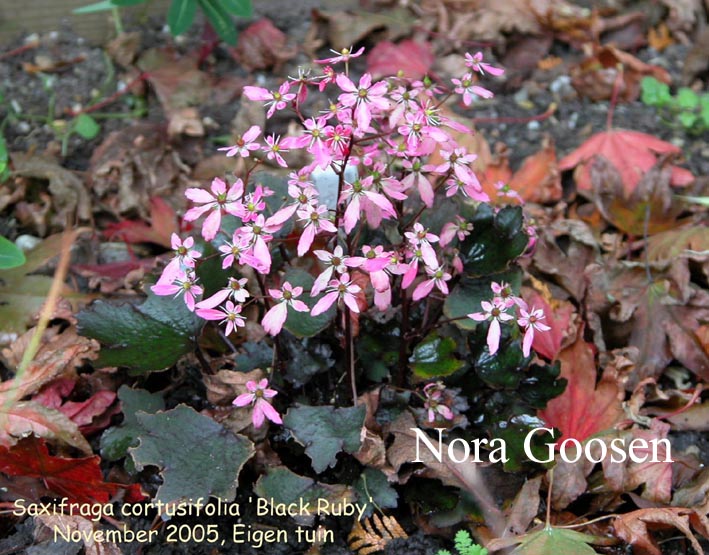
{"x":654,"y":92}
{"x":181,"y":15}
{"x":505,"y":369}
{"x":86,"y":126}
{"x":220,"y":20}
{"x":281,"y":485}
{"x":241,"y":8}
{"x":374,"y":490}
{"x":687,"y":99}
{"x":466,"y":296}
{"x":302,"y":324}
{"x":555,"y":541}
{"x":687,"y":119}
{"x":497,"y":239}
{"x":4,"y":159}
{"x":465,"y":546}
{"x":22,"y":295}
{"x":434,"y":357}
{"x":196,"y":456}
{"x":125,"y":3}
{"x":10,"y":255}
{"x":103,"y":6}
{"x":152,"y":336}
{"x":325,"y":431}
{"x":115,"y":441}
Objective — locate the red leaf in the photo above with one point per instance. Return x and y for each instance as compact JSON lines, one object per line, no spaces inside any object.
{"x":539,"y":180}
{"x":632,"y":153}
{"x":163,"y":225}
{"x":558,"y":318}
{"x":584,"y":408}
{"x":82,"y":413}
{"x":412,"y":58}
{"x":80,"y":480}
{"x":262,"y":45}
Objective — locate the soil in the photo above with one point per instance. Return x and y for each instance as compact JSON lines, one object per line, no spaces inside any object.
{"x":92,"y":74}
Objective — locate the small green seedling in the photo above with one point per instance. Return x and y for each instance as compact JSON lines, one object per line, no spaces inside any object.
{"x":464,"y":545}
{"x":181,"y":13}
{"x":686,"y":109}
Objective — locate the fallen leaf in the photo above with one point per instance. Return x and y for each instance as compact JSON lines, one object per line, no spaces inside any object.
{"x":538,"y":179}
{"x":262,"y":46}
{"x":466,"y":476}
{"x":23,"y":291}
{"x":136,"y":164}
{"x":634,"y":527}
{"x":611,"y":72}
{"x":585,"y":407}
{"x":48,"y":527}
{"x":163,"y":223}
{"x":82,"y":413}
{"x":659,"y":37}
{"x":412,"y":58}
{"x":565,"y":248}
{"x":558,"y":316}
{"x":69,"y":195}
{"x":696,"y":61}
{"x":345,"y":29}
{"x":80,"y":480}
{"x":630,"y":152}
{"x":649,"y":209}
{"x":524,"y":508}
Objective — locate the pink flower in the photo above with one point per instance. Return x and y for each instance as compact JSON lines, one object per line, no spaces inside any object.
{"x":363,"y":97}
{"x":237,"y":250}
{"x":339,"y":289}
{"x":434,"y":402}
{"x":459,"y":161}
{"x":244,"y":143}
{"x":257,"y":395}
{"x":315,"y":221}
{"x":421,"y":239}
{"x":475,"y":62}
{"x":504,"y":190}
{"x":304,"y":196}
{"x":216,"y":200}
{"x":236,"y":290}
{"x":275,"y":318}
{"x":316,"y":133}
{"x":530,"y":321}
{"x":335,"y":261}
{"x":504,"y":295}
{"x":230,"y":314}
{"x":344,"y":55}
{"x":459,"y":228}
{"x":256,"y":235}
{"x":274,"y":148}
{"x":417,"y":179}
{"x":276,"y":100}
{"x":469,"y":90}
{"x":184,"y":259}
{"x":185,"y":285}
{"x":354,"y":192}
{"x":495,"y":313}
{"x":437,"y":277}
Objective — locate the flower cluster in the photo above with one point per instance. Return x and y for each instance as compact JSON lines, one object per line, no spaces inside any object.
{"x":499,"y":311}
{"x":392,"y":150}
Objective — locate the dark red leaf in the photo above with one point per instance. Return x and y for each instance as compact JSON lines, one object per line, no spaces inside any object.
{"x":80,"y":480}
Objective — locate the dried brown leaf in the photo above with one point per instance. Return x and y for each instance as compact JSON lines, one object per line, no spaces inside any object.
{"x":46,"y":527}
{"x":376,"y":533}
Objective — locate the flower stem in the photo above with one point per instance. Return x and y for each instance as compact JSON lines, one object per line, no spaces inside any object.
{"x":349,"y":353}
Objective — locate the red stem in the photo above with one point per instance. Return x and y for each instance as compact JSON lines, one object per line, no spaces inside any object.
{"x":109,"y":100}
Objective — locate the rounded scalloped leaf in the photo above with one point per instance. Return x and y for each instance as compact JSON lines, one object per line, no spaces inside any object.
{"x":197,"y":457}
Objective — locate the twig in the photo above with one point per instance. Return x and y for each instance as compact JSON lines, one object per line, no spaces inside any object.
{"x":44,"y":318}
{"x":349,"y":352}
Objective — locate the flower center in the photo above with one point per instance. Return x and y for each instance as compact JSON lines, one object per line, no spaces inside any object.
{"x":336,"y":261}
{"x":287,"y":295}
